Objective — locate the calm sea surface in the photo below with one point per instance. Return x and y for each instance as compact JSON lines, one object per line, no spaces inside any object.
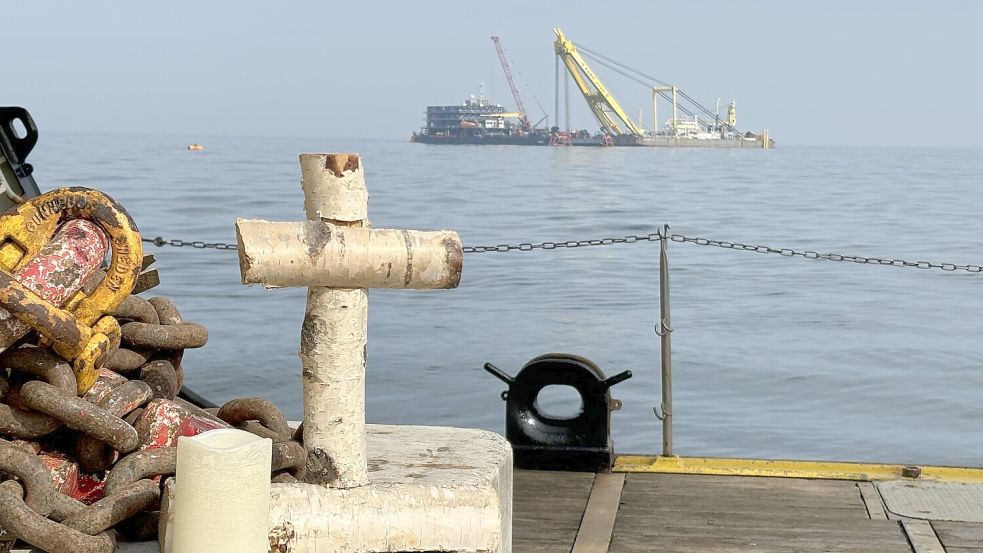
{"x":773,"y":357}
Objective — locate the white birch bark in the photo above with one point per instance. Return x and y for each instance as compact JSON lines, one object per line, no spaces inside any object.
{"x":332,"y":353}
{"x":316,"y":253}
{"x":332,"y":339}
{"x":334,"y":187}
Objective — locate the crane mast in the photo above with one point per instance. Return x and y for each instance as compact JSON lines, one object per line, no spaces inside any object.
{"x":606,"y":109}
{"x":515,"y":90}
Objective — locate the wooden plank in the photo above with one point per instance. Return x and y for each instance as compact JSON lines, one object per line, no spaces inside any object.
{"x":742,"y":493}
{"x":846,"y":494}
{"x":827,"y":537}
{"x":547,"y":509}
{"x":594,"y":535}
{"x":748,"y":519}
{"x":767,"y":522}
{"x":752,"y":542}
{"x":959,"y":534}
{"x":691,"y":480}
{"x":737,"y":504}
{"x":922,"y":536}
{"x":872,"y":500}
{"x":717,"y":545}
{"x":541,"y":478}
{"x":719,"y":514}
{"x":849,"y":496}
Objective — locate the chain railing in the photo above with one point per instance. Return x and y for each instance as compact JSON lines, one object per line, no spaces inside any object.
{"x":663,"y":328}
{"x":197,"y":244}
{"x":652,"y":237}
{"x":809,"y":254}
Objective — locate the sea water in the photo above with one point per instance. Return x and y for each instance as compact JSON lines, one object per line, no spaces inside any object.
{"x":772,"y":356}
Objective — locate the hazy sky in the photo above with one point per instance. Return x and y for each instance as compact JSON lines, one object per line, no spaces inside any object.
{"x":831,"y":72}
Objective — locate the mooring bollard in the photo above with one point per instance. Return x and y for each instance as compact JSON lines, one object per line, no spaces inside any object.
{"x":338,"y":257}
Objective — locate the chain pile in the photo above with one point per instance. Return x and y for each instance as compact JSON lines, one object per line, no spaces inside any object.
{"x":76,"y":470}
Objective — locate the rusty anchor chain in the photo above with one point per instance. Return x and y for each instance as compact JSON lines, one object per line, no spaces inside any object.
{"x":16,"y":421}
{"x":82,"y":332}
{"x":20,"y":520}
{"x":89,"y":413}
{"x":269,"y":423}
{"x":121,"y":408}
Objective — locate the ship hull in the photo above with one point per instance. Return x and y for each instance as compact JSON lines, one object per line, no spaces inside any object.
{"x":484,"y":140}
{"x":682,"y":142}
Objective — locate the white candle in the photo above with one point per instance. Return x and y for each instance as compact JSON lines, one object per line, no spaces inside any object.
{"x":222,"y":493}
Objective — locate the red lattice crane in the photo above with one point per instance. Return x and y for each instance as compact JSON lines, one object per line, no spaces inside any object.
{"x":515,"y":90}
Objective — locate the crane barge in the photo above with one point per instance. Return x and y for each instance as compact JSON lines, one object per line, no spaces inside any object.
{"x":618,"y":129}
{"x":478,"y":121}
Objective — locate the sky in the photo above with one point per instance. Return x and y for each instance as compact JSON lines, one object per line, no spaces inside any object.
{"x":893,"y":73}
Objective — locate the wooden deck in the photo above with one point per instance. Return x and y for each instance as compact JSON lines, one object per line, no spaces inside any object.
{"x":557,"y":512}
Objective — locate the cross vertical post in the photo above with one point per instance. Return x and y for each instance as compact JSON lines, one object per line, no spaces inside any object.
{"x":333,"y":336}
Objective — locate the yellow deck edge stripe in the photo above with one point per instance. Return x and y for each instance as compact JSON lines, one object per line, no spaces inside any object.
{"x":828,"y":470}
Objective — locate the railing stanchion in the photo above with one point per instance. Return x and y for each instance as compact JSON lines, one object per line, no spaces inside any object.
{"x":664,"y":330}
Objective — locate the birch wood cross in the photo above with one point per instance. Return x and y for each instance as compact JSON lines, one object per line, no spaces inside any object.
{"x":338,"y":258}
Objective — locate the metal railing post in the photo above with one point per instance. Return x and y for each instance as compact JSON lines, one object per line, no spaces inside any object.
{"x":664,"y":330}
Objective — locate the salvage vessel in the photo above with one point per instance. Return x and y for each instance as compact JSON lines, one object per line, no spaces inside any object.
{"x":698,"y":126}
{"x":477,"y":121}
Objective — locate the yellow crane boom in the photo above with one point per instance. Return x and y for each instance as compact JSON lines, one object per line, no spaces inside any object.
{"x":606,"y":109}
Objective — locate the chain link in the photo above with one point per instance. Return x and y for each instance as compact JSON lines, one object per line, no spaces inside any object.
{"x":653,"y":237}
{"x":813,"y":255}
{"x":198,"y":244}
{"x":528,"y":246}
